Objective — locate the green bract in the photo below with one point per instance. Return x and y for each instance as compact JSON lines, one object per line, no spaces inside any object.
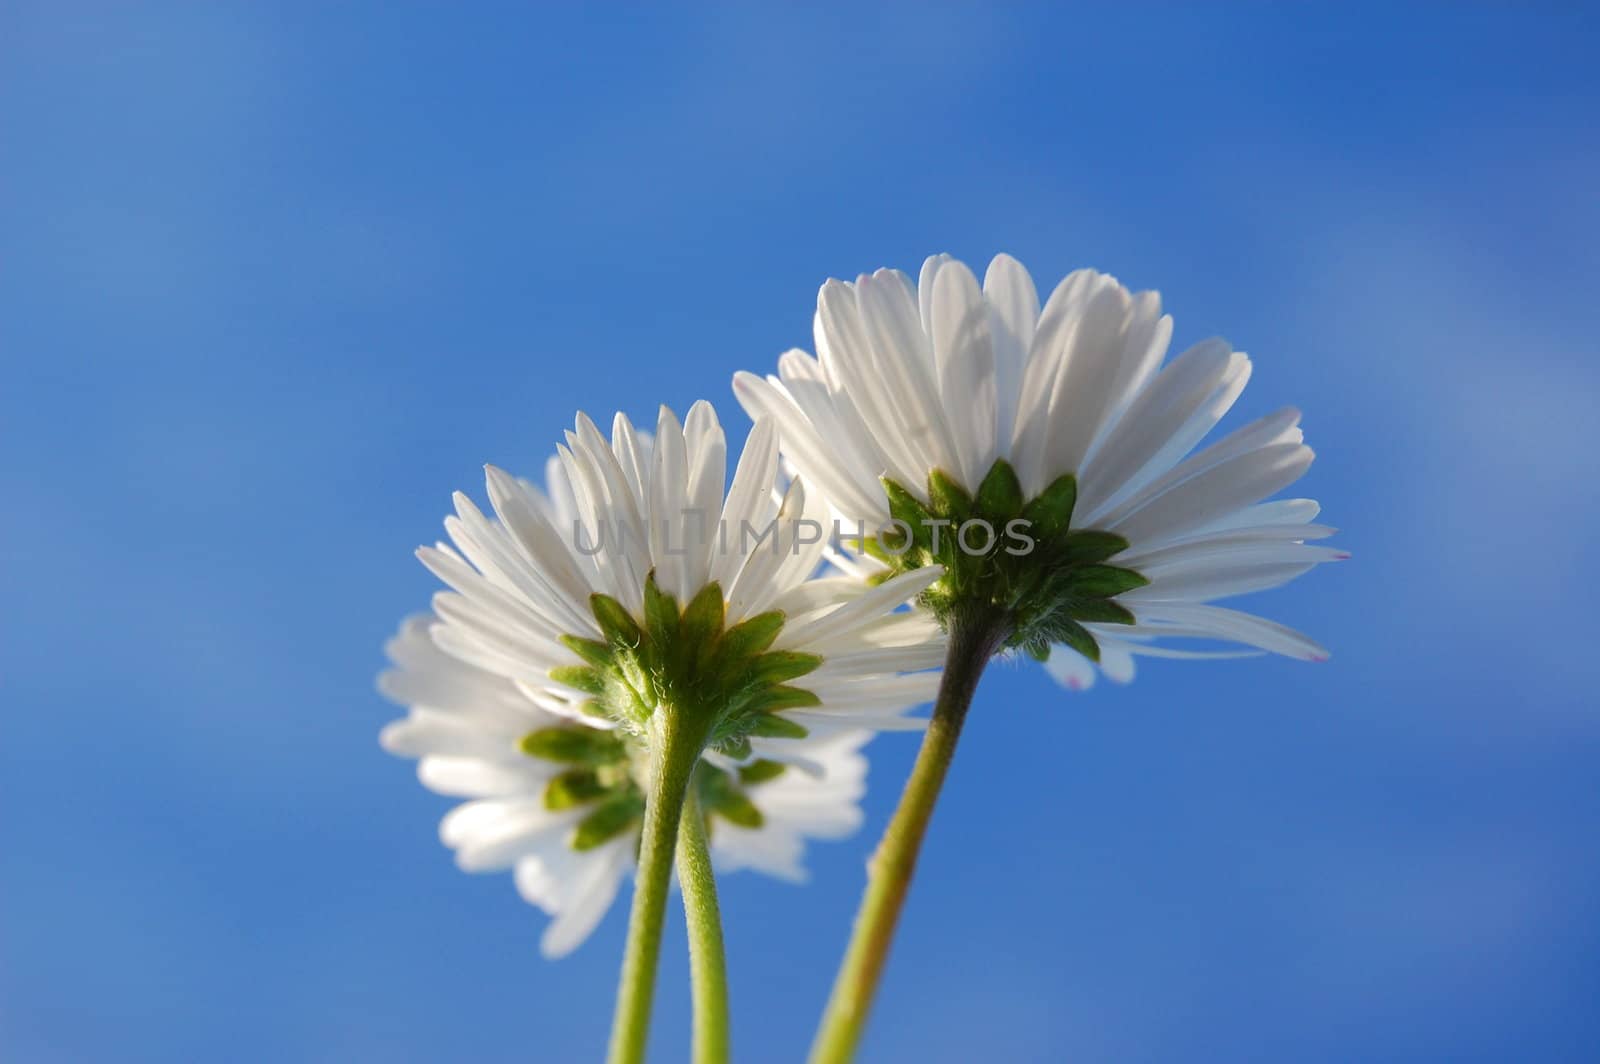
{"x":690,"y":661}
{"x":999,"y":552}
{"x":682,"y":661}
{"x":606,"y":784}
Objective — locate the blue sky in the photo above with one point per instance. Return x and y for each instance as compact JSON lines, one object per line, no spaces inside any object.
{"x":276,"y":279}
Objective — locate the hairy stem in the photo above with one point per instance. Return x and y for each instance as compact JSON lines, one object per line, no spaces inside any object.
{"x":674,"y":751}
{"x":974,"y":638}
{"x":707,"y":965}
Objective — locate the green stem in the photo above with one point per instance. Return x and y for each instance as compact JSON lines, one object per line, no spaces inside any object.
{"x":974,"y":638}
{"x":707,"y":965}
{"x":674,"y":751}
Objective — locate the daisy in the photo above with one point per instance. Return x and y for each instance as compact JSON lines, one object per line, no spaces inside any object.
{"x":1042,"y":458}
{"x":678,"y":647}
{"x":541,"y":816}
{"x":1060,"y":437}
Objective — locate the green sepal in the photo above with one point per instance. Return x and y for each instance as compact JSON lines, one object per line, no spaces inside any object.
{"x":740,"y":810}
{"x":948,"y":498}
{"x":612,"y":818}
{"x":704,"y":617}
{"x":903,"y":506}
{"x":1088,"y":547}
{"x":1040,"y":593}
{"x":1102,"y":611}
{"x":780,"y":666}
{"x":660,"y":613}
{"x":573,"y":788}
{"x":616,"y":623}
{"x":1050,"y":515}
{"x":749,"y":637}
{"x":770,"y":726}
{"x":762,"y":771}
{"x":1000,"y":494}
{"x":720,"y":795}
{"x":1103,"y":581}
{"x":686,"y":661}
{"x":781,"y":697}
{"x":877,"y":550}
{"x":582,"y":677}
{"x":1075,"y":636}
{"x":573,"y":746}
{"x":597,"y":654}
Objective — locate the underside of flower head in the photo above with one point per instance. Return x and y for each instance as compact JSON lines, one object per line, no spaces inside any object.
{"x":691,"y":660}
{"x":1022,"y":562}
{"x":636,"y":584}
{"x":633,"y":600}
{"x":932,"y":399}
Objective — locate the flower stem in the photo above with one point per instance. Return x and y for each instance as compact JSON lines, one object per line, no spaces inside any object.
{"x":974,"y":638}
{"x":674,"y":751}
{"x":707,"y":966}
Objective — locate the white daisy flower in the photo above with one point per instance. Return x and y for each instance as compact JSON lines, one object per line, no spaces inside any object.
{"x":632,"y":624}
{"x":465,"y":725}
{"x":1062,"y":440}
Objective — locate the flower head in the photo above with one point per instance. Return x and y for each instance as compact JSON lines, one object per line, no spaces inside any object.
{"x":634,"y":601}
{"x":1061,"y":440}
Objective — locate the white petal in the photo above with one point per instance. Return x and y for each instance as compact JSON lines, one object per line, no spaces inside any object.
{"x":838,"y":426}
{"x":1084,"y":387}
{"x":755,"y":586}
{"x":592,"y":893}
{"x":852,"y":367}
{"x":1192,"y":543}
{"x":1046,"y":361}
{"x":1166,"y":419}
{"x":1116,"y":662}
{"x":633,"y":450}
{"x":876,"y":721}
{"x":1279,"y":511}
{"x":926,"y":279}
{"x":1149,"y":332}
{"x":499,"y":632}
{"x":1238,"y":482}
{"x":1013,"y":314}
{"x":425,"y":733}
{"x":623,"y":513}
{"x":871,"y":604}
{"x":669,"y":487}
{"x":1246,"y":628}
{"x":775,"y":852}
{"x":613,"y":575}
{"x":902,"y":364}
{"x":805,"y":415}
{"x":1280,"y":427}
{"x":1070,"y":669}
{"x":965,"y":359}
{"x":1214,"y":552}
{"x":491,"y":549}
{"x":472,"y":777}
{"x":1202,"y":582}
{"x":545,"y":556}
{"x":492,"y":834}
{"x":708,"y":471}
{"x":746,"y":506}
